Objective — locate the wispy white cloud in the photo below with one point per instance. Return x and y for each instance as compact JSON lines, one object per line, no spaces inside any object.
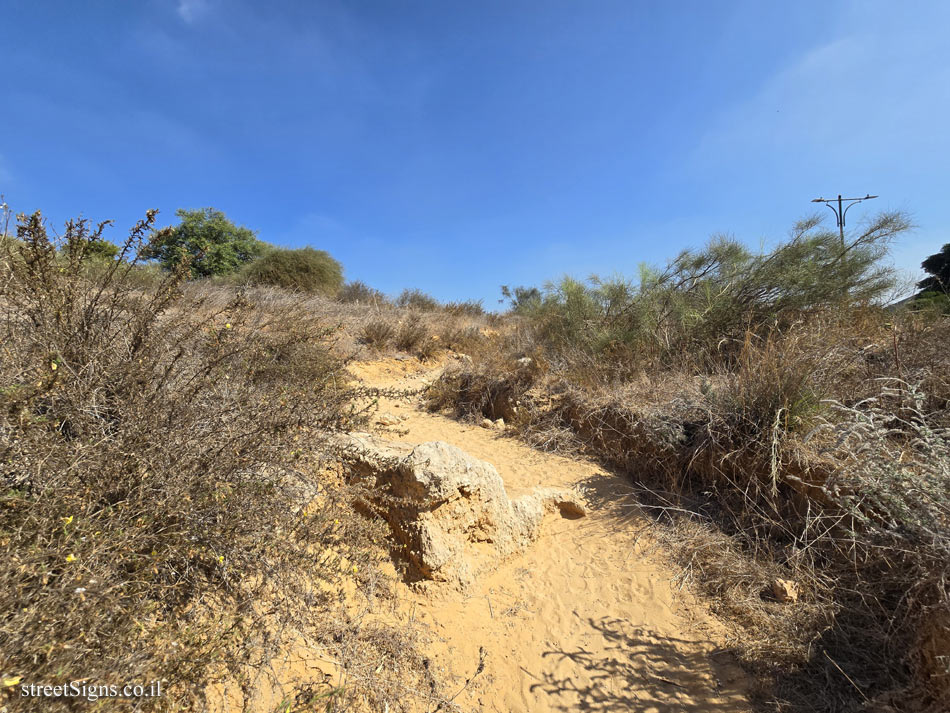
{"x":192,"y":10}
{"x":874,"y":94}
{"x":842,"y":99}
{"x":862,"y":112}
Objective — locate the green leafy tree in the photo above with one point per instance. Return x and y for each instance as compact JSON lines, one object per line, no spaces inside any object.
{"x":938,"y":268}
{"x":212,"y":243}
{"x":934,"y":292}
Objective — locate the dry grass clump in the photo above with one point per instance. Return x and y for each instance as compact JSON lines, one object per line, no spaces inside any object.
{"x":830,"y":650}
{"x":410,"y":333}
{"x":460,"y":336}
{"x":417,"y":300}
{"x":428,"y":348}
{"x":365,"y":329}
{"x":892,"y":492}
{"x":358,"y":292}
{"x":384,"y":667}
{"x":378,"y":333}
{"x":773,"y":637}
{"x":164,"y":507}
{"x":468,"y":308}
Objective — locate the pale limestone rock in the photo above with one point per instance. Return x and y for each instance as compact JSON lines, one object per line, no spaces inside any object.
{"x":450,"y":510}
{"x":786,"y":591}
{"x":388,"y":419}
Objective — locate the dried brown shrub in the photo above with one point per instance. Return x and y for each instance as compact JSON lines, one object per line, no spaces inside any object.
{"x":410,"y":333}
{"x":378,"y":333}
{"x":164,"y":496}
{"x":460,"y":337}
{"x":492,"y":389}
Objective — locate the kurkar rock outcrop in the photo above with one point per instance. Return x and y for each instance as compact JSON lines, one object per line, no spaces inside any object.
{"x":448,"y":510}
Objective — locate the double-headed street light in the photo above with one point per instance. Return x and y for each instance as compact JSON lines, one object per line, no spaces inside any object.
{"x":842,"y":209}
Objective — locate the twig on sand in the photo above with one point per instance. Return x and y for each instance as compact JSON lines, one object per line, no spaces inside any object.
{"x":481,"y":667}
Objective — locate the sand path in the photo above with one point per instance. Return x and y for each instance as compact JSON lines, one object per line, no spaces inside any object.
{"x":588,"y":619}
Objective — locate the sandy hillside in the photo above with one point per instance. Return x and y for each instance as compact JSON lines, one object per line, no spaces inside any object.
{"x":587,"y":619}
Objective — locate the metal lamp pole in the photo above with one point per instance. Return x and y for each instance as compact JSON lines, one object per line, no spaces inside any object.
{"x":842,"y":209}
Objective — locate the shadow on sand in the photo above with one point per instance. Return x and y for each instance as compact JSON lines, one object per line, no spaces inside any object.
{"x":641,"y":670}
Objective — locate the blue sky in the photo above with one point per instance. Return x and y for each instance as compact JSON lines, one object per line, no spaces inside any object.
{"x":457,"y":146}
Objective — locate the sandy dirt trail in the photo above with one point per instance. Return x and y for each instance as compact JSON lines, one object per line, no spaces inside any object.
{"x":585,"y":620}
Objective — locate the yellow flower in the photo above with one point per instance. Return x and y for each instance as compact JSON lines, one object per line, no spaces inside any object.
{"x":227,"y":326}
{"x":355,"y":568}
{"x":68,"y":520}
{"x":70,"y":558}
{"x":220,"y":559}
{"x":53,"y":366}
{"x":12,"y":681}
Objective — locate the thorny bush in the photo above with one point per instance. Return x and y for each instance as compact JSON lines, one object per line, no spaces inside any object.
{"x":165,"y":507}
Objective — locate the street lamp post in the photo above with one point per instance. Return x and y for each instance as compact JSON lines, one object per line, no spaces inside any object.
{"x":842,"y":209}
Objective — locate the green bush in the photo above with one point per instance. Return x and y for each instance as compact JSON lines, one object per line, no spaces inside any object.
{"x":304,"y":270}
{"x":522,"y":299}
{"x":933,"y":302}
{"x":704,"y":302}
{"x":207,"y":242}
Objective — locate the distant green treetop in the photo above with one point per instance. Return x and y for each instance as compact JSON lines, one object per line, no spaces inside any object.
{"x":938,"y":268}
{"x":934,"y":292}
{"x":213,"y":244}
